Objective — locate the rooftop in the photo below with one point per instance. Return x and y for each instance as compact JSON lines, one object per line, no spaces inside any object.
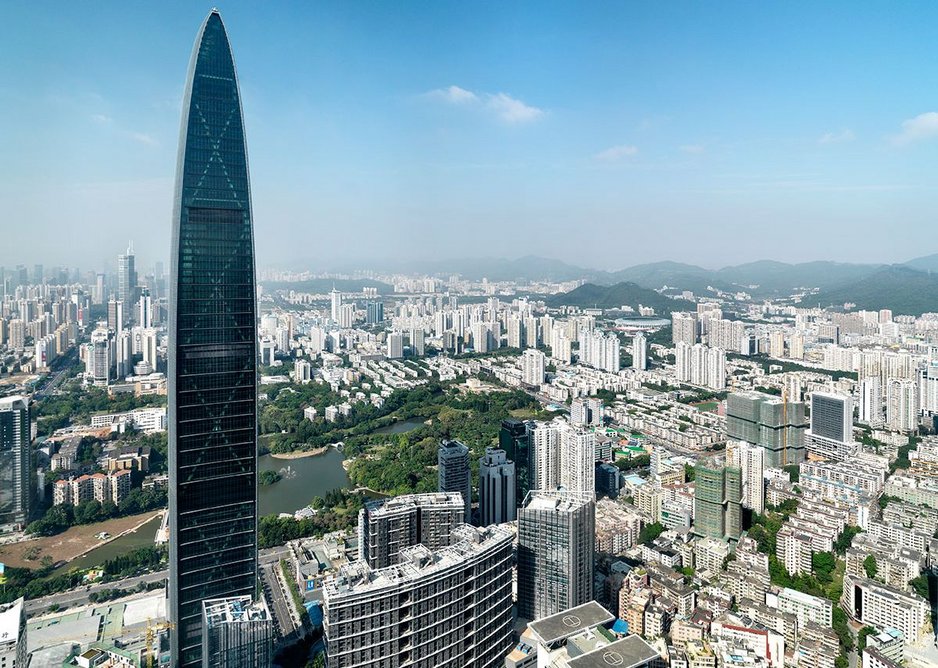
{"x":219,"y":611}
{"x":569,"y":622}
{"x":10,"y":615}
{"x":626,"y":653}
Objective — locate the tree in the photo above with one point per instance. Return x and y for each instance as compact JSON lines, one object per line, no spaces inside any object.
{"x":920,"y":586}
{"x":823,"y":564}
{"x":649,"y":532}
{"x":869,"y":565}
{"x":845,"y":539}
{"x":690,"y":473}
{"x":842,"y":628}
{"x":862,"y":635}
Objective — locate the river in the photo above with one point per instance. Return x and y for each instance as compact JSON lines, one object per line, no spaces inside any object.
{"x":401,"y":427}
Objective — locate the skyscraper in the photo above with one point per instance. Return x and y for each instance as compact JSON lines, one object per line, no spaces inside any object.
{"x":775,"y":424}
{"x":496,"y":488}
{"x":387,"y":526}
{"x":556,"y":536}
{"x":239,"y":633}
{"x":15,"y":464}
{"x":513,"y":438}
{"x":639,"y":352}
{"x":127,"y":276}
{"x":212,"y":351}
{"x":831,"y":427}
{"x":453,"y":471}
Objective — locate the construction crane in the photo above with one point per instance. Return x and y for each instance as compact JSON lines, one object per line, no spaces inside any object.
{"x":152,"y":630}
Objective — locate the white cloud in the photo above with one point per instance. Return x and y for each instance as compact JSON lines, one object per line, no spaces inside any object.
{"x":101,"y":118}
{"x":453,"y":95}
{"x":693,"y":148}
{"x":616,"y":153}
{"x":512,"y":110}
{"x":844,"y":135}
{"x":922,"y":127}
{"x":143,"y":138}
{"x":503,"y":106}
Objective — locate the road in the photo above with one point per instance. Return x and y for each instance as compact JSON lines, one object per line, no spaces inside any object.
{"x":63,"y":364}
{"x":77,"y":597}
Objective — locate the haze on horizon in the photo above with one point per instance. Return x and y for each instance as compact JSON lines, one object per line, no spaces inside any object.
{"x":711,"y":134}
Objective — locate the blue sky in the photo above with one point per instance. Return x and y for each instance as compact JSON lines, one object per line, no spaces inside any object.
{"x":604,"y":134}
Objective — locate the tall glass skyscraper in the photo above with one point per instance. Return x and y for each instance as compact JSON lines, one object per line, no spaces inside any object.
{"x":212,"y":351}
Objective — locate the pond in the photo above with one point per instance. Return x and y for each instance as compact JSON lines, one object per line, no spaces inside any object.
{"x":129,"y":542}
{"x":401,"y":427}
{"x":303,"y":478}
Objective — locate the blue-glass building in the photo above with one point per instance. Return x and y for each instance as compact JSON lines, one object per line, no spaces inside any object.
{"x":212,"y":351}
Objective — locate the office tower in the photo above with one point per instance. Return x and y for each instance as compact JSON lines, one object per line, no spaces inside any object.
{"x":533,"y":366}
{"x":832,"y":416}
{"x":771,"y":422}
{"x":871,"y":402}
{"x":145,"y":309}
{"x":238,"y":633}
{"x":15,"y":462}
{"x":395,"y":345}
{"x":830,"y":434}
{"x":13,"y":650}
{"x":684,"y":328}
{"x":335,"y":297}
{"x":38,"y":278}
{"x":545,"y":455}
{"x":374,"y":313}
{"x":901,"y":405}
{"x":556,"y":536}
{"x":115,"y":315}
{"x":750,"y":460}
{"x":387,"y":526}
{"x":212,"y":379}
{"x":717,"y":499}
{"x":127,"y":277}
{"x":497,"y":488}
{"x":577,"y":459}
{"x":453,"y":472}
{"x":449,"y":608}
{"x":513,"y":439}
{"x":639,"y":352}
{"x":123,"y":353}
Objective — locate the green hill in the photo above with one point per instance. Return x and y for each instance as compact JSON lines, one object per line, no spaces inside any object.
{"x":906,"y":291}
{"x":590,"y":295}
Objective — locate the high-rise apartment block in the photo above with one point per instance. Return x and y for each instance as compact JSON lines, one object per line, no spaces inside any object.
{"x":556,"y":544}
{"x":768,"y":421}
{"x":387,"y":526}
{"x":750,"y":460}
{"x":684,"y":328}
{"x":15,"y":462}
{"x":212,"y":378}
{"x":533,"y":366}
{"x":449,"y":608}
{"x":497,"y":488}
{"x":639,"y":352}
{"x":718,"y":499}
{"x":453,"y":472}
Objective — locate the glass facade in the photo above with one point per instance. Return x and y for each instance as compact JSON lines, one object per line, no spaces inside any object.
{"x":15,"y":464}
{"x":212,"y":352}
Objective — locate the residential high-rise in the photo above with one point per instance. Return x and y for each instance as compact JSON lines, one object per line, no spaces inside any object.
{"x":684,"y":328}
{"x":513,"y":439}
{"x":374,"y":313}
{"x":577,"y":459}
{"x":718,"y":499}
{"x":145,"y":309}
{"x":545,"y":455}
{"x":750,"y":460}
{"x":533,"y":365}
{"x":901,"y":405}
{"x":453,"y":472}
{"x":15,"y":462}
{"x":212,"y":376}
{"x":556,"y":543}
{"x":238,"y":633}
{"x":496,"y":488}
{"x":871,"y":402}
{"x":639,"y":352}
{"x":335,"y":297}
{"x":448,"y":608}
{"x":771,"y":422}
{"x":387,"y":526}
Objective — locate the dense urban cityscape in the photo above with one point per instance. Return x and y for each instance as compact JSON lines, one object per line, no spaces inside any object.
{"x":511,"y":464}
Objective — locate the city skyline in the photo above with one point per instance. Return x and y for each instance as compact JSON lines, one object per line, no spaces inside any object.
{"x":472,"y":120}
